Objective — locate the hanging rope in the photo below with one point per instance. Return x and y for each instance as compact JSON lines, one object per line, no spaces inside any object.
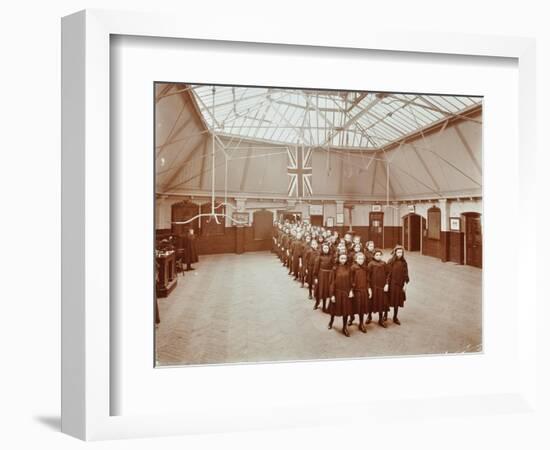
{"x":213,"y":207}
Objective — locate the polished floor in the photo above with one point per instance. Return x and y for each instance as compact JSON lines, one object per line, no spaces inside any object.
{"x":245,"y":308}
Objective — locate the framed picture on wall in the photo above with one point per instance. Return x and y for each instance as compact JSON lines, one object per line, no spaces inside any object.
{"x":340,"y":219}
{"x":454,"y":223}
{"x":330,"y":222}
{"x":376,"y":208}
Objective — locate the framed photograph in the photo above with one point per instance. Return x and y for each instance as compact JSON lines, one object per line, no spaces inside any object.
{"x":454,"y":223}
{"x":148,"y":105}
{"x":340,"y":218}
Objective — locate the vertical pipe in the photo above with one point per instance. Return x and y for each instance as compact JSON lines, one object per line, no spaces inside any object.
{"x":213,"y":150}
{"x":387,"y":183}
{"x":225,"y":196}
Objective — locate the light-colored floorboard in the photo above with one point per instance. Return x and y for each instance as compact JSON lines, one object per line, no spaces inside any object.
{"x":245,"y":308}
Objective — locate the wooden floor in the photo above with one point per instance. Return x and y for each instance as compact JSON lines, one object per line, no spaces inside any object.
{"x":245,"y":308}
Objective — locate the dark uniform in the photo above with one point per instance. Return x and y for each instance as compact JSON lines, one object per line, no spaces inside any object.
{"x":360,"y":285}
{"x":190,"y":255}
{"x":378,"y":278}
{"x":340,"y":287}
{"x":297,"y":250}
{"x":312,"y":256}
{"x":398,"y":275}
{"x":321,"y":272}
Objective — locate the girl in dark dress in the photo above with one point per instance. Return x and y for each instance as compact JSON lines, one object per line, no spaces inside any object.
{"x":352,"y":253}
{"x":398,"y":277}
{"x":369,"y":252}
{"x":348,"y":241}
{"x":356,"y":249}
{"x":303,"y":262}
{"x":369,"y":256}
{"x":339,"y":249}
{"x":291,"y":244}
{"x":285,"y":243}
{"x":311,"y":261}
{"x":321,"y":273}
{"x":360,"y":286}
{"x":341,"y":298}
{"x":320,"y":240}
{"x":190,"y":255}
{"x":378,"y":287}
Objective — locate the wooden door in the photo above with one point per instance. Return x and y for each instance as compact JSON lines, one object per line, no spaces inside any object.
{"x":414,"y":233}
{"x":262,"y":224}
{"x":474,"y":241}
{"x":376,"y":228}
{"x":316,"y":221}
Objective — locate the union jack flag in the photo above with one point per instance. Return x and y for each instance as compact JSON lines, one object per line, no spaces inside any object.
{"x":300,"y":171}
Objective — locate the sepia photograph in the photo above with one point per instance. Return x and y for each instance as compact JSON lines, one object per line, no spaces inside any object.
{"x":299,"y":224}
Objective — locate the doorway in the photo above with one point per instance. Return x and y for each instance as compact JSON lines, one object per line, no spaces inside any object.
{"x":262,"y":224}
{"x":474,"y":239}
{"x":316,"y":220}
{"x":376,"y":228}
{"x":412,"y":232}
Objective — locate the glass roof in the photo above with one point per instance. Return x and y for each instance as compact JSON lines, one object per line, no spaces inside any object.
{"x":317,"y":118}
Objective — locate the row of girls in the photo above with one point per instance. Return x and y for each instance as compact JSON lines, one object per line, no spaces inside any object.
{"x":344,"y":277}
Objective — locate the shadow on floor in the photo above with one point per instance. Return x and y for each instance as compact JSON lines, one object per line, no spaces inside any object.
{"x":52,"y":422}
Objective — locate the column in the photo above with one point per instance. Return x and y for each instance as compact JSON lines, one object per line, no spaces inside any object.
{"x":239,"y":229}
{"x":339,"y":214}
{"x":445,"y":237}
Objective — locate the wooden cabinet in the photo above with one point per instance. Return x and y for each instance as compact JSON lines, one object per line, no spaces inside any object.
{"x":167,"y":277}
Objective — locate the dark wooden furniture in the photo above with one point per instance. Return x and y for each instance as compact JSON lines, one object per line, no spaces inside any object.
{"x":167,"y":277}
{"x":412,"y":232}
{"x":474,"y":241}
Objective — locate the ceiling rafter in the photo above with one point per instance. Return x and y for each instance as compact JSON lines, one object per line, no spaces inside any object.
{"x":352,"y":120}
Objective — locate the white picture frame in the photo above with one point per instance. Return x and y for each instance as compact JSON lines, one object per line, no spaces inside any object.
{"x":454,"y":223}
{"x":89,"y":322}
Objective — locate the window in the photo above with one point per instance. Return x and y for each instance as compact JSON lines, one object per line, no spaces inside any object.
{"x":434,"y":223}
